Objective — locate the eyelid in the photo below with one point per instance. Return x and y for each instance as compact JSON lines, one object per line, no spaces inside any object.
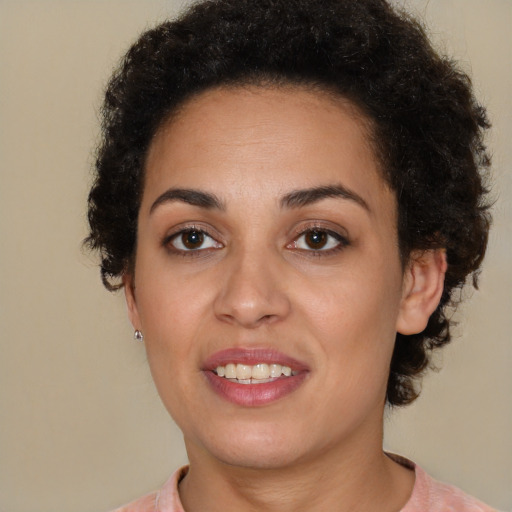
{"x":337,"y":232}
{"x":176,"y":242}
{"x":328,"y":246}
{"x":186,"y":227}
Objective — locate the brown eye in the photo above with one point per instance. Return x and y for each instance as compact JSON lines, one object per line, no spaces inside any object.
{"x":193,"y":240}
{"x":316,"y":239}
{"x":319,"y":241}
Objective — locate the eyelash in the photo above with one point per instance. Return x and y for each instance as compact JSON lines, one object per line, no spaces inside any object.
{"x":200,"y":251}
{"x":340,"y":242}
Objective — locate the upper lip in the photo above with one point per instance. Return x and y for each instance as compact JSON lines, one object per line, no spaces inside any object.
{"x":252,"y":356}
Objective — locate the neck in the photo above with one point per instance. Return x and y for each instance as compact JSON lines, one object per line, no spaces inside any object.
{"x":344,"y":479}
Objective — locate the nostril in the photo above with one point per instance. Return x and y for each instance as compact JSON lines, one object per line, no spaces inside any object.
{"x":250,"y":297}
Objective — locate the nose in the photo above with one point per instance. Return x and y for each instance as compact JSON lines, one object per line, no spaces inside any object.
{"x":252,"y":292}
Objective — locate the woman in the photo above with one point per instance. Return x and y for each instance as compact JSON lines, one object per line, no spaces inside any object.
{"x":290,"y":192}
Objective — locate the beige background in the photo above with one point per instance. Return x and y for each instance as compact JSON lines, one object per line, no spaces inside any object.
{"x":81,"y":427}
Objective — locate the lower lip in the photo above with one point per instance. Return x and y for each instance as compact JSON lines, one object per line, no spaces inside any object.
{"x":253,"y":395}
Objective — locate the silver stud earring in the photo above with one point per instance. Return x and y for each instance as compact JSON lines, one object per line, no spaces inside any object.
{"x":138,"y":335}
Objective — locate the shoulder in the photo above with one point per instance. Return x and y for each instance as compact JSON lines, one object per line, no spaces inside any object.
{"x":145,"y":504}
{"x":167,"y":499}
{"x":433,"y":496}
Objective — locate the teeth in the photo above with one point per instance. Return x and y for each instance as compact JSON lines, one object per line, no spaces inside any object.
{"x":230,"y":372}
{"x":243,"y":371}
{"x":260,"y":371}
{"x":275,"y":370}
{"x":246,"y":374}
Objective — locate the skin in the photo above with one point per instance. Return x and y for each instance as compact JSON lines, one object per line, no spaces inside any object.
{"x":256,"y":283}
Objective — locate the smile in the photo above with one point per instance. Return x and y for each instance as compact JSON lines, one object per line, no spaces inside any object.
{"x":253,"y":377}
{"x":259,"y":373}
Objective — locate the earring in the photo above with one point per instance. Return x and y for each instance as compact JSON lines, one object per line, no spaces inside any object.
{"x":138,"y":335}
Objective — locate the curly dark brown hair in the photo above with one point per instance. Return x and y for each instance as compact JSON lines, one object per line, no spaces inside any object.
{"x":427,"y":126}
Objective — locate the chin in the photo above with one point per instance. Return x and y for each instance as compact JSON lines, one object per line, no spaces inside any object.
{"x":257,"y":458}
{"x":255,"y":449}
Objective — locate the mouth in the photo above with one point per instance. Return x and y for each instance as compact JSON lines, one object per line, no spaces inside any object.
{"x":259,"y":373}
{"x":253,"y":377}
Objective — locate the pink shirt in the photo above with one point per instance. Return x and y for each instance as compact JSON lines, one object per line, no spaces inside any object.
{"x":428,"y":495}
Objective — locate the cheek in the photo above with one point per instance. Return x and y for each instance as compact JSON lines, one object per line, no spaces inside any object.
{"x":167,"y":298}
{"x":172,"y":313}
{"x":357,"y":299}
{"x":354,"y":316}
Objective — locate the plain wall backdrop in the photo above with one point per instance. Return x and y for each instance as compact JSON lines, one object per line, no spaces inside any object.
{"x":81,"y":426}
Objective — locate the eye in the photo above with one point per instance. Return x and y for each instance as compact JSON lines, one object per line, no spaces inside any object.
{"x":193,"y":240}
{"x":319,"y":240}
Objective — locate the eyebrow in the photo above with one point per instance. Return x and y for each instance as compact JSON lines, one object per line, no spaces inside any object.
{"x":295,"y":199}
{"x":304,"y":197}
{"x":189,"y":196}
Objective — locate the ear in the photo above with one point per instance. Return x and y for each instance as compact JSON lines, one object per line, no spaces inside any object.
{"x":422,"y":290}
{"x":131,"y":302}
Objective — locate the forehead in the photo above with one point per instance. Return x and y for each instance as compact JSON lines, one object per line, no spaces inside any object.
{"x":308,"y":107}
{"x":261,"y":137}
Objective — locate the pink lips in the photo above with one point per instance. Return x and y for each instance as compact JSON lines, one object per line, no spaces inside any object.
{"x":251,"y":395}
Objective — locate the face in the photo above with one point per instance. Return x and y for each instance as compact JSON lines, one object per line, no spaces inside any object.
{"x":267,"y":281}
